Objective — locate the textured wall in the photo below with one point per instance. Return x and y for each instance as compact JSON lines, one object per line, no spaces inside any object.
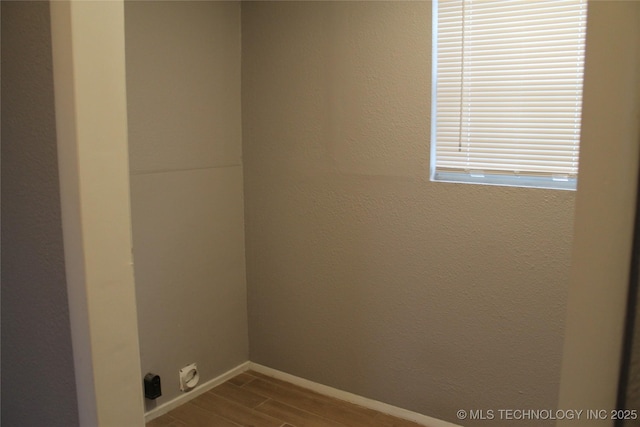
{"x":604,"y":210}
{"x":38,"y":387}
{"x":362,"y":274}
{"x":183,"y":88}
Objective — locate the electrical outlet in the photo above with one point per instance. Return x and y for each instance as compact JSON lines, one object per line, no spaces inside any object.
{"x":189,"y":377}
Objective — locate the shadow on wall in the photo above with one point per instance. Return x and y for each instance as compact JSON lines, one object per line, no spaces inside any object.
{"x":36,"y":340}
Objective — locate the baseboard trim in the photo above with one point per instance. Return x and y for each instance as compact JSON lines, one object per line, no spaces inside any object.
{"x":352,"y":398}
{"x":203,"y":388}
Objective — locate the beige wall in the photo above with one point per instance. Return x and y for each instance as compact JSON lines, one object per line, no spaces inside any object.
{"x":183,"y":83}
{"x":36,"y":340}
{"x":362,"y":274}
{"x":91,"y":129}
{"x":604,"y":208}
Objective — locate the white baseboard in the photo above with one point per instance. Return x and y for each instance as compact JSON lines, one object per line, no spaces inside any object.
{"x":353,"y":398}
{"x":203,"y":388}
{"x":311,"y":385}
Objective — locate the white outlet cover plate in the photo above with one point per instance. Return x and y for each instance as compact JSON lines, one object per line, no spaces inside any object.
{"x":189,"y":377}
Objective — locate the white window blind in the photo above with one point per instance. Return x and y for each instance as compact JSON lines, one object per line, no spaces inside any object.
{"x":508,"y":91}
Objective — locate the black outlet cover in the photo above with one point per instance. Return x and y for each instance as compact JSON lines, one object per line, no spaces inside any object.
{"x":152,"y":389}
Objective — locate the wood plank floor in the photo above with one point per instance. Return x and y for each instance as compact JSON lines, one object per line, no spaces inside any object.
{"x":252,"y":399}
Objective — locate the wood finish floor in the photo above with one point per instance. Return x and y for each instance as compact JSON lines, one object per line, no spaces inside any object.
{"x":252,"y":399}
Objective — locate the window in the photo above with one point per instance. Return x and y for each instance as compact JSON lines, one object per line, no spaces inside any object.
{"x":507,"y":91}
